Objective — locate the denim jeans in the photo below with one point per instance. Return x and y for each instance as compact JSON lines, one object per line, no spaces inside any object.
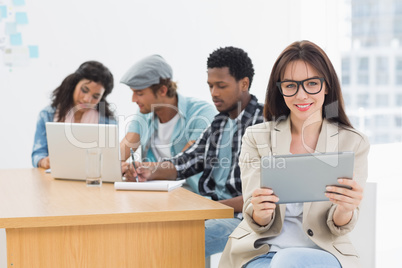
{"x":217,"y":232}
{"x":295,"y":258}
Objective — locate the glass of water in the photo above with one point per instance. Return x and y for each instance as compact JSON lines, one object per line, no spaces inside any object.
{"x":94,"y":167}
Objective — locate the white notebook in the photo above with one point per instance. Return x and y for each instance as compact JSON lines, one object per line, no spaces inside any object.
{"x":155,"y":185}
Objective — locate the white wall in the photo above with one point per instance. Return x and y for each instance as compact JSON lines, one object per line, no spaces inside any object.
{"x":118,"y":33}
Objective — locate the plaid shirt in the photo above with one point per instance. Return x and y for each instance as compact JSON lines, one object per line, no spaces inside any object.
{"x":202,"y":156}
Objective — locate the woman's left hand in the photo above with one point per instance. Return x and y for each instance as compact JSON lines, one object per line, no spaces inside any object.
{"x":346,"y":199}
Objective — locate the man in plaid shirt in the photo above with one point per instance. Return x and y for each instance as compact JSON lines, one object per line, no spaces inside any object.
{"x":215,"y":153}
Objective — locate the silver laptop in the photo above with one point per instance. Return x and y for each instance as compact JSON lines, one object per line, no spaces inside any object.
{"x":68,"y":142}
{"x":304,"y":177}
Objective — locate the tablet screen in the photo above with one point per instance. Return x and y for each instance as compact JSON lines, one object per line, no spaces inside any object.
{"x":304,"y":177}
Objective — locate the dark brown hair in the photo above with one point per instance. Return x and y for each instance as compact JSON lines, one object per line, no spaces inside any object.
{"x":62,"y":97}
{"x":333,"y":107}
{"x":171,"y":86}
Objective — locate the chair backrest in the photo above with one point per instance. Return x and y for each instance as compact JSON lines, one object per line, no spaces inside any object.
{"x":3,"y":249}
{"x":363,"y":235}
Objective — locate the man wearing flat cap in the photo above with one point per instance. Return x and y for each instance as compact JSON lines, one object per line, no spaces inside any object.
{"x":167,"y":122}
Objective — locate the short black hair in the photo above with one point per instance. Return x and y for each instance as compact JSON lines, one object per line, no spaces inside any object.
{"x":236,"y":59}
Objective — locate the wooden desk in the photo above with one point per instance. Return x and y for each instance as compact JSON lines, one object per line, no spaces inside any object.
{"x":56,"y":223}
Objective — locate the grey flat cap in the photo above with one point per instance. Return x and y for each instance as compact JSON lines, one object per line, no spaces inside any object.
{"x":147,"y":72}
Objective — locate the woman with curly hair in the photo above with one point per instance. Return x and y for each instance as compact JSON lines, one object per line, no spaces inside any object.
{"x":81,"y":98}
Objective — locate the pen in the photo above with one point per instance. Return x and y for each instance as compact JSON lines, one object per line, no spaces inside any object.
{"x":132,"y":158}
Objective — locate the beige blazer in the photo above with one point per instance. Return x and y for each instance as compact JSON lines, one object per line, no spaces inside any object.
{"x":272,"y":138}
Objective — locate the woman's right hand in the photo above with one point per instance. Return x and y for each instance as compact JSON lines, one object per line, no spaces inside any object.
{"x":44,"y":163}
{"x":263,"y":200}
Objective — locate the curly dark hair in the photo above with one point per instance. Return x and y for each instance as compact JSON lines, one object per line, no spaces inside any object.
{"x":236,"y":59}
{"x":62,"y":96}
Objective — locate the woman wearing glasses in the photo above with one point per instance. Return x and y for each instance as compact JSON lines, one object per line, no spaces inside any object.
{"x":305,"y":114}
{"x":80,"y":98}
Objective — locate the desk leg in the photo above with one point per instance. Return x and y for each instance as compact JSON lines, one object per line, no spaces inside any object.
{"x":158,"y":244}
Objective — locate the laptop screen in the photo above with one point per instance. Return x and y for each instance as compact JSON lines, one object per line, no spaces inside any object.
{"x":68,"y":142}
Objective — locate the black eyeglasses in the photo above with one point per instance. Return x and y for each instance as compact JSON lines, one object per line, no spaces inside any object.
{"x":311,"y":86}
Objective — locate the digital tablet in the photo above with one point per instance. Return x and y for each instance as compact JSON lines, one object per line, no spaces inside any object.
{"x":304,"y":177}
